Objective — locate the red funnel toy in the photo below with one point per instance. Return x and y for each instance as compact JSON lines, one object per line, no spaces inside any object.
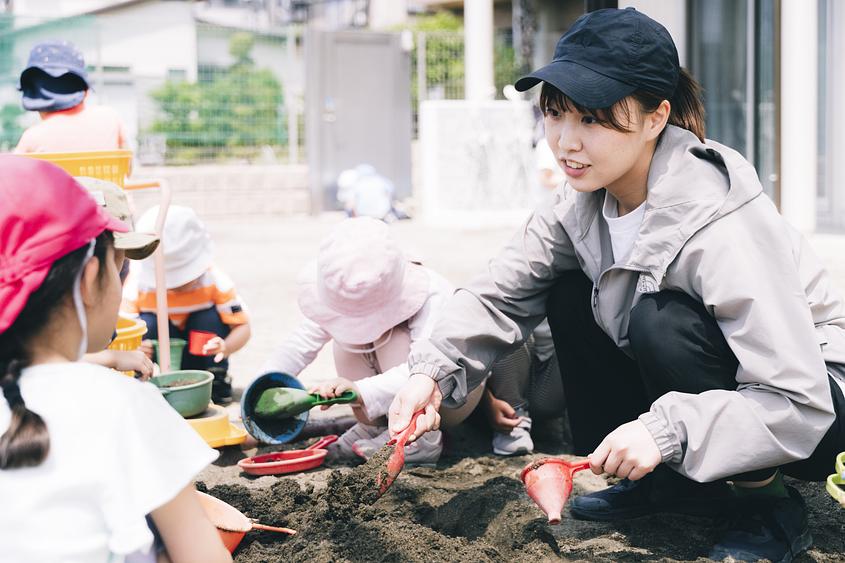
{"x":549,"y":484}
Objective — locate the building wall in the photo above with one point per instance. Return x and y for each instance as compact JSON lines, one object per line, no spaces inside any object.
{"x":152,"y":38}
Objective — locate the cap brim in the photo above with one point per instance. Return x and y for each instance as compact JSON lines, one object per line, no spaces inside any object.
{"x":582,"y":85}
{"x":137,"y":245}
{"x":56,"y":71}
{"x":113,"y":224}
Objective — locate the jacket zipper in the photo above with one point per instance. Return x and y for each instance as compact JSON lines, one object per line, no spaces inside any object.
{"x":596,"y":292}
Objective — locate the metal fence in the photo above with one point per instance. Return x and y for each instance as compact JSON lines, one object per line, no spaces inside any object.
{"x":244,"y":104}
{"x":437,"y":63}
{"x":239,"y":98}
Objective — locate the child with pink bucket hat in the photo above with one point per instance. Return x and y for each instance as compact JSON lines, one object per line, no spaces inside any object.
{"x":367,"y":298}
{"x":59,"y":296}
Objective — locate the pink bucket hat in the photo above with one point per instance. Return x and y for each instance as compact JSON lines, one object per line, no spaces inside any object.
{"x":363,"y":285}
{"x":45,"y":215}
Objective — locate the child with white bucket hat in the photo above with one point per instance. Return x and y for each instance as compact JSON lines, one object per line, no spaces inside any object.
{"x":200,"y":297}
{"x":367,"y":298}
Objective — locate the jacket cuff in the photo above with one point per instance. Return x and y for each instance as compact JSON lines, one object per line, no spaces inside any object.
{"x":670,"y":448}
{"x":446,"y":382}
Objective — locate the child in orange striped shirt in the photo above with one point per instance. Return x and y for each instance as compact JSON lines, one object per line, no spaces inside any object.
{"x":200,"y":297}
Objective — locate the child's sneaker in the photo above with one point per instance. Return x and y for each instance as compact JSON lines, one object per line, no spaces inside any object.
{"x":425,"y":450}
{"x":221,"y":387}
{"x":516,"y":442}
{"x":342,"y":449}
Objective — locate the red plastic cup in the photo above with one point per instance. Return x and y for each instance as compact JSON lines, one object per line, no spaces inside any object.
{"x":197,"y":340}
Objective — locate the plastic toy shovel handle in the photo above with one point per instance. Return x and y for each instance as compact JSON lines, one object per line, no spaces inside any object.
{"x":323,"y":442}
{"x":403,"y":436}
{"x":345,"y":397}
{"x":579,"y":466}
{"x":256,"y":526}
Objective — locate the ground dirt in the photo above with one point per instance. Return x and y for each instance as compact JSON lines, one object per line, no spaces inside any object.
{"x":470,"y":508}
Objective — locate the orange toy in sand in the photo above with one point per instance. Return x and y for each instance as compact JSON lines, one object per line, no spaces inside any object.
{"x":231,"y":523}
{"x":549,"y":484}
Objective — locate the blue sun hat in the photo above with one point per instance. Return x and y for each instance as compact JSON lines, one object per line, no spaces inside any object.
{"x":54,"y":78}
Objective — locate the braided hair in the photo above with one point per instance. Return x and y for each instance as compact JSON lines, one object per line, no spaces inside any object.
{"x":26,"y":442}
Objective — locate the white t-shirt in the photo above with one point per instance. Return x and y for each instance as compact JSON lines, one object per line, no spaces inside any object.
{"x":623,"y":230}
{"x":117,"y":451}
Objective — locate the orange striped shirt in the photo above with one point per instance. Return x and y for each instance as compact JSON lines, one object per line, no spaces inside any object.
{"x":212,"y":289}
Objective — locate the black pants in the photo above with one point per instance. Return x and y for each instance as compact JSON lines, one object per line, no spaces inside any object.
{"x":678,"y":347}
{"x":207,"y":320}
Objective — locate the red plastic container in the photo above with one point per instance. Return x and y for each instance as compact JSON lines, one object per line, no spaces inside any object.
{"x":196,"y":340}
{"x":231,"y":524}
{"x":549,"y":484}
{"x":291,"y":461}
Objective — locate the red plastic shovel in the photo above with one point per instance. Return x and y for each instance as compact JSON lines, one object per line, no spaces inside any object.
{"x":291,"y":461}
{"x":230,"y":522}
{"x":397,"y":459}
{"x":549,"y":484}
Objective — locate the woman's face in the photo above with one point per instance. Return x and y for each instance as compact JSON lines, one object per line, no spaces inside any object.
{"x":594,"y":156}
{"x":104,"y":303}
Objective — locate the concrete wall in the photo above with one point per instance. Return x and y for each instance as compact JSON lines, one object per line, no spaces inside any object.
{"x":231,"y":190}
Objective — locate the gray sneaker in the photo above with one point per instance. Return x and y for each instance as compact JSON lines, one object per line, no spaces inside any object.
{"x":425,"y":450}
{"x":342,"y":449}
{"x":516,"y":442}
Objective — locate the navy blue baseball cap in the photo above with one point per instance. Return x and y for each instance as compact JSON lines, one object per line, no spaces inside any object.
{"x":609,"y":54}
{"x":54,"y":78}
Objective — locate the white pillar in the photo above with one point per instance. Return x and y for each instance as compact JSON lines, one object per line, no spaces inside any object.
{"x":478,"y":50}
{"x":798,"y":113}
{"x":672,"y":15}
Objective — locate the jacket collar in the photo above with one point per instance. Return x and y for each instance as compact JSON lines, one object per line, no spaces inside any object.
{"x":690,"y":185}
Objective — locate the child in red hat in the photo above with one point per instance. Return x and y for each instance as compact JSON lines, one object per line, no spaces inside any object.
{"x":59,"y":296}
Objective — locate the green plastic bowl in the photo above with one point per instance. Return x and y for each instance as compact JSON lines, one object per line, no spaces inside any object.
{"x":191,"y":394}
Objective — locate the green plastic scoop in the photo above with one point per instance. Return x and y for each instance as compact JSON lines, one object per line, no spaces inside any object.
{"x":285,"y":402}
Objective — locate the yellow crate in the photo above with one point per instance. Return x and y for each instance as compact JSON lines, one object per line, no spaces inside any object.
{"x":107,"y":165}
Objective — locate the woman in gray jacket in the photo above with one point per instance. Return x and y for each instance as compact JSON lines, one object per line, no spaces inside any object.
{"x":701,"y":343}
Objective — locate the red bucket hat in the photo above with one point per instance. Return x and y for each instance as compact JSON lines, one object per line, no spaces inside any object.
{"x":44,"y":215}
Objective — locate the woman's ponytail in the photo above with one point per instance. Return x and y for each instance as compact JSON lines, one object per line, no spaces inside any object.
{"x":687,"y":107}
{"x":26,"y":442}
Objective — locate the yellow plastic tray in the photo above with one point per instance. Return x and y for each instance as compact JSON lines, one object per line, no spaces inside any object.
{"x":834,"y":488}
{"x":214,"y":427}
{"x":113,"y":166}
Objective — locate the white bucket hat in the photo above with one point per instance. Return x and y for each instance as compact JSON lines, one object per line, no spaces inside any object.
{"x":362,"y":285}
{"x":188,"y":250}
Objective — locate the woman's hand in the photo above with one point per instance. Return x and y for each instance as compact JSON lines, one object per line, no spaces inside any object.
{"x":334,"y":388}
{"x":215,"y":347}
{"x":628,"y":452}
{"x":501,"y":416}
{"x":420,"y":393}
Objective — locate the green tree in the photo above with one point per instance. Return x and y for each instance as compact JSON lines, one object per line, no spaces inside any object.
{"x":235,"y":113}
{"x":10,"y":129}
